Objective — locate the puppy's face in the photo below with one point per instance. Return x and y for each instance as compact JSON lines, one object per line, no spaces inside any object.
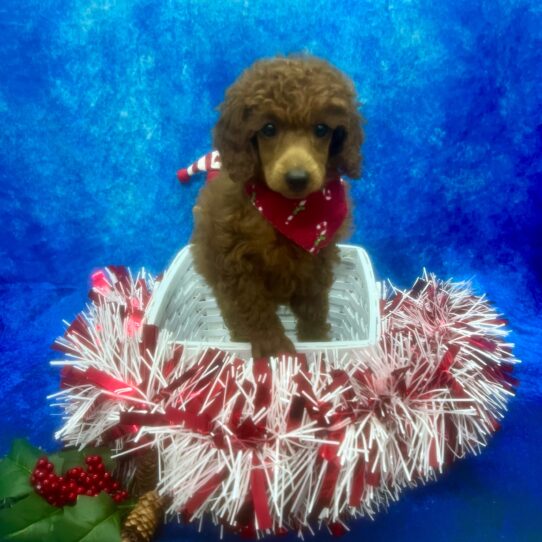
{"x":292,"y":122}
{"x":294,"y":160}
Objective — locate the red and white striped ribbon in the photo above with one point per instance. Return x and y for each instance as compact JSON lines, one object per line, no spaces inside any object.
{"x":209,"y":163}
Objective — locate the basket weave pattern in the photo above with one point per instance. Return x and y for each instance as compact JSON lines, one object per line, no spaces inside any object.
{"x":184,"y":304}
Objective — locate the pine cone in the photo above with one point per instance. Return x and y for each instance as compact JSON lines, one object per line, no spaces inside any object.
{"x":142,"y":521}
{"x":146,"y":475}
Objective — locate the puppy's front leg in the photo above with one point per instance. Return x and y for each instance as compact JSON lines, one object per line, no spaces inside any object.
{"x":311,"y":312}
{"x":251,"y":316}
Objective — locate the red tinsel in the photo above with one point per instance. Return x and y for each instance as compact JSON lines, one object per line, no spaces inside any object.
{"x":279,"y":443}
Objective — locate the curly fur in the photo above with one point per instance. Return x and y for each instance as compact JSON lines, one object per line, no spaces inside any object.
{"x":251,"y":268}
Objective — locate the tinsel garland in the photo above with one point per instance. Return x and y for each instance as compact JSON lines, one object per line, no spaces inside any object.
{"x":290,"y":443}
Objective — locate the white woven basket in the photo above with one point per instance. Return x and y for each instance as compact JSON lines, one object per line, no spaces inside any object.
{"x":184,"y":304}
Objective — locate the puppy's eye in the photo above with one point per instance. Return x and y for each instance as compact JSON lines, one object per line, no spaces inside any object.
{"x":321,"y":130}
{"x":269,"y":130}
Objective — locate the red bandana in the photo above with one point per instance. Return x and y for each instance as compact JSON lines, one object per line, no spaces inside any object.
{"x":310,"y":223}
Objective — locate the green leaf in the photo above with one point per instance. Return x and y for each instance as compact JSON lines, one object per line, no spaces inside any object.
{"x":16,"y":469}
{"x":92,"y":519}
{"x":33,"y":519}
{"x":29,"y":520}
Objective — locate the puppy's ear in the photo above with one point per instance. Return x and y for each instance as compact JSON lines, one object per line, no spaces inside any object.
{"x":345,"y":147}
{"x":233,"y":137}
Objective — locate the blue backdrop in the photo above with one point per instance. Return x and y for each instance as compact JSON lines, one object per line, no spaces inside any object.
{"x":101,"y":102}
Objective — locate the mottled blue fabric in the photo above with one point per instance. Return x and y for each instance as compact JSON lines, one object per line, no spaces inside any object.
{"x":101,"y":101}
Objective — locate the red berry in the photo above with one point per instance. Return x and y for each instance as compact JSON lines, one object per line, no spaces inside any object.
{"x":63,"y":490}
{"x":93,"y":460}
{"x":40,"y":474}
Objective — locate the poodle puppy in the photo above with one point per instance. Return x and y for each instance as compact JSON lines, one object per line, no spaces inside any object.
{"x":266,"y":228}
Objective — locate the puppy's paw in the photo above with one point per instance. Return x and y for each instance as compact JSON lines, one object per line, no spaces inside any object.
{"x":271,"y":346}
{"x":312,"y":332}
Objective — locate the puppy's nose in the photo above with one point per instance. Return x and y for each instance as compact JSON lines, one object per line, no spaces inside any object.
{"x":297,"y":180}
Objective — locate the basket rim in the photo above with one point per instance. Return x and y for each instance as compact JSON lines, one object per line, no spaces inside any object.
{"x":156,"y":307}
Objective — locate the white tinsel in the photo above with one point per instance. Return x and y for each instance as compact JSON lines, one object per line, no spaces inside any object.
{"x":393,"y":408}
